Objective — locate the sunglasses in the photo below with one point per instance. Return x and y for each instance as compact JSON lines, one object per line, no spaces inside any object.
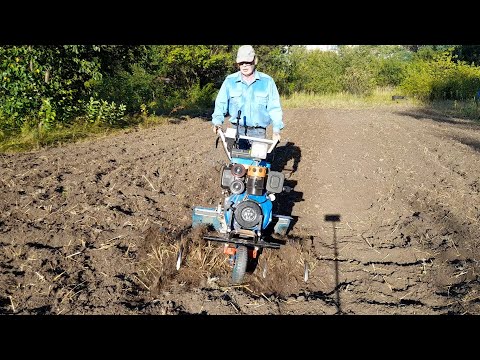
{"x":246,"y":63}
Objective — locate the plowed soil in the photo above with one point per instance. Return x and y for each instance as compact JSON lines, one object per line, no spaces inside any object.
{"x":385,"y":202}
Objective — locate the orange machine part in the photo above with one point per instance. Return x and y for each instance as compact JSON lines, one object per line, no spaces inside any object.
{"x":257,"y":171}
{"x":230,"y":250}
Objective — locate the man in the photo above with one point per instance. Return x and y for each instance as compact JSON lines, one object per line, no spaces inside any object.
{"x":252,"y":92}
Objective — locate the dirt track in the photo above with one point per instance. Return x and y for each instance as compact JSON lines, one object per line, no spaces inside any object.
{"x":92,"y":228}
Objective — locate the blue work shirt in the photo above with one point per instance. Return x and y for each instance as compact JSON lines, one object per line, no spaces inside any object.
{"x":259,"y":102}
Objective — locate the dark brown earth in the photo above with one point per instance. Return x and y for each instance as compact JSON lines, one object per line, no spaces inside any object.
{"x":94,"y":227}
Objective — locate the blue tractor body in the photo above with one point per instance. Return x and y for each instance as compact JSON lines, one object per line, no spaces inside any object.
{"x":245,"y":213}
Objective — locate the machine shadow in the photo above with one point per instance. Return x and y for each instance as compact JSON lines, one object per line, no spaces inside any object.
{"x":286,"y":159}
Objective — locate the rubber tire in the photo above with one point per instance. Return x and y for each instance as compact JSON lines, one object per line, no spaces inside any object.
{"x":240,"y":266}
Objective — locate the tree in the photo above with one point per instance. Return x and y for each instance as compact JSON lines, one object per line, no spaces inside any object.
{"x":61,"y":75}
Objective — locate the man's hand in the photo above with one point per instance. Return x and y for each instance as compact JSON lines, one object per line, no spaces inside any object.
{"x":276,"y":137}
{"x":215,"y":128}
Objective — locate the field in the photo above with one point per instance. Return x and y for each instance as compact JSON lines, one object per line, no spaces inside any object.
{"x":94,"y":227}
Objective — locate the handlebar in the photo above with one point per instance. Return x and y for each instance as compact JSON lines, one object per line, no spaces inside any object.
{"x":222,"y":136}
{"x":273,"y":143}
{"x":268,"y":141}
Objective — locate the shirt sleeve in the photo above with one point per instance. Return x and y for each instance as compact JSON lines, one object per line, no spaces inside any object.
{"x":221,"y":105}
{"x":274,"y":108}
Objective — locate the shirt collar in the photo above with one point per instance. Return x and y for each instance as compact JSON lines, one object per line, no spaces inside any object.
{"x":239,"y":75}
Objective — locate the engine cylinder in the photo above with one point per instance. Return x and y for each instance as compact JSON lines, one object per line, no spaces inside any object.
{"x":255,"y":185}
{"x":256,"y":180}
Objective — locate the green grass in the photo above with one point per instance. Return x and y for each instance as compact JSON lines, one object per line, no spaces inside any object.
{"x":462,"y":109}
{"x":32,"y":139}
{"x":381,"y":97}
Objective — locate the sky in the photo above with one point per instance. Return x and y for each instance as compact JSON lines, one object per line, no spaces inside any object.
{"x":321,"y":47}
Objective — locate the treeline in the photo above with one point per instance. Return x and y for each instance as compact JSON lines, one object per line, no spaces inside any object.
{"x":50,"y":86}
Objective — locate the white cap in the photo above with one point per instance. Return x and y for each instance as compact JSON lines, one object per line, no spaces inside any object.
{"x":245,"y":53}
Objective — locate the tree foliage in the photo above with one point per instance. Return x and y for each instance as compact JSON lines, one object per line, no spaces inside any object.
{"x":316,"y":71}
{"x":46,"y":85}
{"x":442,"y":77}
{"x":470,"y":54}
{"x":61,"y":76}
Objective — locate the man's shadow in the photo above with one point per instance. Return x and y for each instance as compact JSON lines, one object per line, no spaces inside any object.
{"x":285,"y":159}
